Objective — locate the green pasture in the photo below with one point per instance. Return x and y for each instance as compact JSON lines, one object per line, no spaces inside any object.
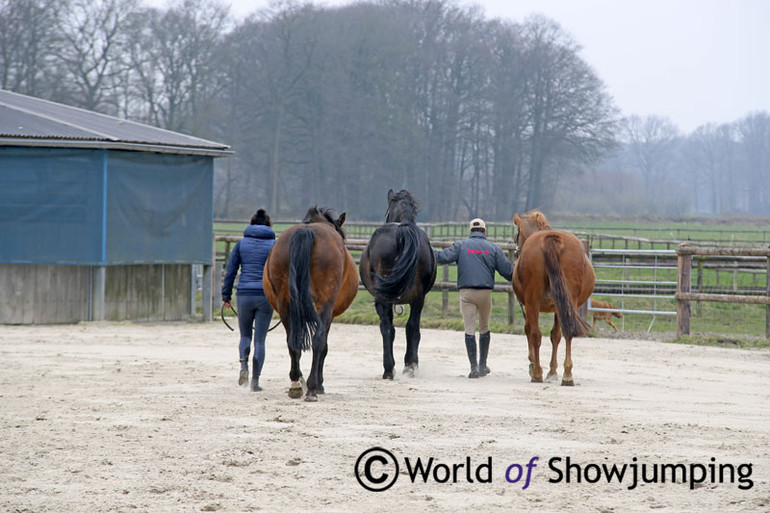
{"x":726,"y":324}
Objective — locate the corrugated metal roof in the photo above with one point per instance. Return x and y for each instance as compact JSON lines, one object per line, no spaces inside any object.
{"x":28,"y":121}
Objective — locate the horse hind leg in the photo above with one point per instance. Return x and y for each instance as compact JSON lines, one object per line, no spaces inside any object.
{"x":320,"y":348}
{"x":296,"y":390}
{"x":411,"y":358}
{"x":534,"y":338}
{"x":568,"y":380}
{"x":385,"y":313}
{"x":555,"y":339}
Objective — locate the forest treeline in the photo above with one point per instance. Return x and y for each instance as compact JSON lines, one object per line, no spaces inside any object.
{"x":334,"y":106}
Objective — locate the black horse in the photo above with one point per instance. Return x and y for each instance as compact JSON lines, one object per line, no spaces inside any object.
{"x":398,"y":267}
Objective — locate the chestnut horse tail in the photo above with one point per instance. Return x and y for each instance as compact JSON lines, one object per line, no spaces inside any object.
{"x":404,"y":270}
{"x":303,"y":318}
{"x":572,"y":325}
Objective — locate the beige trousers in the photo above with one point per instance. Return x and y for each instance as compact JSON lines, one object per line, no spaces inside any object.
{"x":476,"y":305}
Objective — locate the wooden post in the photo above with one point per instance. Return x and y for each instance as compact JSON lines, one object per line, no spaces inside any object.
{"x":193,"y":290}
{"x":767,"y":307}
{"x":98,"y":307}
{"x":511,"y":295}
{"x":207,"y":297}
{"x":583,"y":309}
{"x":699,"y":281}
{"x":684,"y":267}
{"x":445,"y":292}
{"x":207,"y":285}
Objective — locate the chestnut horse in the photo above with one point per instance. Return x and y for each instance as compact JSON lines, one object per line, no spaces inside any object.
{"x":310,"y":278}
{"x":552,"y":275}
{"x":398,"y":267}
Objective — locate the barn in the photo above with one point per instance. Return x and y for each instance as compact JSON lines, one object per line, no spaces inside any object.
{"x":100,"y":218}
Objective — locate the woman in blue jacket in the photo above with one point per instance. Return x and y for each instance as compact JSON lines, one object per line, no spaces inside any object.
{"x":254,"y":312}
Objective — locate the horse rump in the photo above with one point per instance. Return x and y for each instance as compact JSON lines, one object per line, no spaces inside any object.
{"x":303,"y":318}
{"x":404,"y":270}
{"x":572,"y":325}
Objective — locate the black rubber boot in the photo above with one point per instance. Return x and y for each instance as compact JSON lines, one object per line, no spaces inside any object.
{"x":483,"y":353}
{"x":243,"y":377}
{"x":255,"y":376}
{"x":470,"y":345}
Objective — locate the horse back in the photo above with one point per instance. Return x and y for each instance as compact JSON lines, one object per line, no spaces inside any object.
{"x":332,"y":270}
{"x":530,"y":270}
{"x":381,"y":254}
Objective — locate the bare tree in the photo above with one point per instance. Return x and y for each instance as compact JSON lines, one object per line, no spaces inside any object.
{"x":754,"y":132}
{"x":92,"y":52}
{"x":173,"y":61}
{"x":652,"y":144}
{"x":28,"y":42}
{"x":712,"y":160}
{"x":570,"y":115}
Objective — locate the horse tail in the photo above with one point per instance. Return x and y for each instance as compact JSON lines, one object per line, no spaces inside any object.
{"x":404,"y":270}
{"x":572,"y":325}
{"x":303,"y":318}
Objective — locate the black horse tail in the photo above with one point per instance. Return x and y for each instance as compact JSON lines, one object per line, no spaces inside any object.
{"x":303,"y":318}
{"x":404,"y":270}
{"x":572,"y":325}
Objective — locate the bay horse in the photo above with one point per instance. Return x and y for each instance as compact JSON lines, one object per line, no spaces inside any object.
{"x":552,"y":275}
{"x":310,"y":278}
{"x":398,"y":267}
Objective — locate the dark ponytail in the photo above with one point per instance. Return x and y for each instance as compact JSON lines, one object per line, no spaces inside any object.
{"x":261,"y":217}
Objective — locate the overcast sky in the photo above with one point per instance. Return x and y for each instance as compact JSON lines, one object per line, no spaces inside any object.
{"x":692,"y":61}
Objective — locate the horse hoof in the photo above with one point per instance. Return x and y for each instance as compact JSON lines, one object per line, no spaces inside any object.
{"x":568,"y":382}
{"x":387,"y":375}
{"x":536,"y":380}
{"x":320,"y":390}
{"x":552,"y":376}
{"x":310,"y":397}
{"x":483,"y":371}
{"x":295,"y":392}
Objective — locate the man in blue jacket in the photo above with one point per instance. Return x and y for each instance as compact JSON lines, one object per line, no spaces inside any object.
{"x":250,"y":254}
{"x":477,"y":260}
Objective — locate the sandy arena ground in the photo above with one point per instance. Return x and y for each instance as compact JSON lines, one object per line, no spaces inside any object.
{"x":132,"y":417}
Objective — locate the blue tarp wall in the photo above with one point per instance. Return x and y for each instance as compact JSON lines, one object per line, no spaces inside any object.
{"x":104,"y":207}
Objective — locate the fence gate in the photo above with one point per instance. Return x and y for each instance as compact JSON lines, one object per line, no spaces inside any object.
{"x":642,"y":274}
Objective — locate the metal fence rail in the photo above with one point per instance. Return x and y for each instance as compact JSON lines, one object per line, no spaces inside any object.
{"x":634,"y":260}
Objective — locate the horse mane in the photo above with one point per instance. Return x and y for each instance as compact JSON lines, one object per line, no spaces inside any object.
{"x":408,"y":207}
{"x":538,"y":219}
{"x":316,"y":214}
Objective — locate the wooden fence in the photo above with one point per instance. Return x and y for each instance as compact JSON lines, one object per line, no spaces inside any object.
{"x":607,"y":237}
{"x":684,"y":295}
{"x":355,"y":246}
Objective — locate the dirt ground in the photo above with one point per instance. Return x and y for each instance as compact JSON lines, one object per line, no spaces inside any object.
{"x":136,"y":417}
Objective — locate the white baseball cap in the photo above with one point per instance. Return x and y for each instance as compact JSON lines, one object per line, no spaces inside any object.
{"x":478,"y":223}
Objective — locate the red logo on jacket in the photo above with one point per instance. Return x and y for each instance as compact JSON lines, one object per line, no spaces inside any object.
{"x":477,"y":252}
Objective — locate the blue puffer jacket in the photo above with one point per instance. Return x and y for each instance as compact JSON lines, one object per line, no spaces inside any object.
{"x":250,"y":254}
